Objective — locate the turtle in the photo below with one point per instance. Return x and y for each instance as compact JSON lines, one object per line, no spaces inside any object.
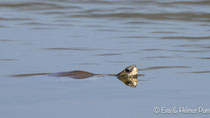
{"x":128,"y":76}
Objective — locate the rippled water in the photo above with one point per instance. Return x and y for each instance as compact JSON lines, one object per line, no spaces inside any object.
{"x":169,"y":42}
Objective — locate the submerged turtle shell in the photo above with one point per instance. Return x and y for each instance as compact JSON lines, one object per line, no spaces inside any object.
{"x":78,"y":74}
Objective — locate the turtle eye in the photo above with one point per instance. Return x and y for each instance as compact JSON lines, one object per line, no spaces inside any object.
{"x":127,"y":82}
{"x":128,"y":70}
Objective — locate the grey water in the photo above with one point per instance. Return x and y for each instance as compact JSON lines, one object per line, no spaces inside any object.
{"x":169,"y":41}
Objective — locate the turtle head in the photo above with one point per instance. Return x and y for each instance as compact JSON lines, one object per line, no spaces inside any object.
{"x":129,"y":71}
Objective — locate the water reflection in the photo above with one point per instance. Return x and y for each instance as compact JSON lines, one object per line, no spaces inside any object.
{"x":29,"y":74}
{"x":129,"y":81}
{"x":163,"y":67}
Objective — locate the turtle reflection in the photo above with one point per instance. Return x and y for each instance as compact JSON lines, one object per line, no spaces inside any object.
{"x":131,"y":81}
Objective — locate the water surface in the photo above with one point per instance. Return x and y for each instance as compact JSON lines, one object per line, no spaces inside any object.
{"x":169,"y":42}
